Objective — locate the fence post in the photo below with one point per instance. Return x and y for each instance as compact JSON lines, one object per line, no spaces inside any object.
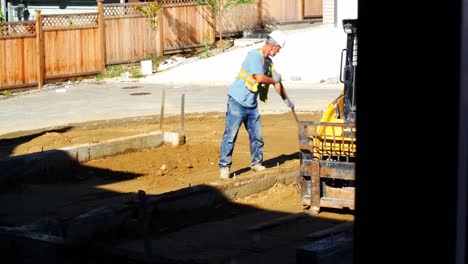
{"x":160,"y":34}
{"x":39,"y":50}
{"x":260,"y":13}
{"x":301,"y":9}
{"x":213,"y":29}
{"x":102,"y":35}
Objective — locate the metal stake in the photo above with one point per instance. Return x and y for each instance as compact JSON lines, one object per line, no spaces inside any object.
{"x":182,"y":110}
{"x":163,"y":98}
{"x":144,"y":217}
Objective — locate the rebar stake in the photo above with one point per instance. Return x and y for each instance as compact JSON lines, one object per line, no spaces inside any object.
{"x":145,"y":219}
{"x":163,"y":99}
{"x":182,"y":115}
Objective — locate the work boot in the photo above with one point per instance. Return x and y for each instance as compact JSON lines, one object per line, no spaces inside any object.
{"x":258,"y":167}
{"x":224,"y":173}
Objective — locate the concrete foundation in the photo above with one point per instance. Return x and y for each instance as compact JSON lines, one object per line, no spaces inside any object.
{"x":39,"y":166}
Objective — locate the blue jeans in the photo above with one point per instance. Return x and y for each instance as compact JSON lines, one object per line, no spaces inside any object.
{"x":236,"y":115}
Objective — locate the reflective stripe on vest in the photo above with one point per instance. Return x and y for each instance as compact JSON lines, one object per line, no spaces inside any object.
{"x":250,"y":82}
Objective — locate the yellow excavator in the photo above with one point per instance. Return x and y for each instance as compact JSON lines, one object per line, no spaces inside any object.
{"x":328,"y":147}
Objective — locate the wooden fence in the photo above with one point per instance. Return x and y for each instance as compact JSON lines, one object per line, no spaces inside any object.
{"x":18,"y":53}
{"x":269,"y":11}
{"x":71,"y":45}
{"x":128,"y":36}
{"x":68,"y":45}
{"x":187,"y":26}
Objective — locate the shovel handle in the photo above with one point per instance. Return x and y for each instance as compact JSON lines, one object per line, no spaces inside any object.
{"x":292,"y":109}
{"x":295,"y":116}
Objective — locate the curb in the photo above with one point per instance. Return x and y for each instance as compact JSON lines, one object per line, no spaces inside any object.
{"x":49,"y":165}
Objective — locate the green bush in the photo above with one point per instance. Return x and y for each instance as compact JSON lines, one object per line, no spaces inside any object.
{"x":6,"y":93}
{"x":114,"y":71}
{"x":206,"y":53}
{"x":99,"y":77}
{"x":135,"y":73}
{"x":119,"y":70}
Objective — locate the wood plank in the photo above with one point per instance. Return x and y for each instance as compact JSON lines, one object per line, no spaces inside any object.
{"x":330,"y":231}
{"x":313,"y":8}
{"x":29,"y":235}
{"x":277,"y":221}
{"x":3,"y":62}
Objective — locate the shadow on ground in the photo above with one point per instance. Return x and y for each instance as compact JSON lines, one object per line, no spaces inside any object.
{"x":8,"y":144}
{"x":56,"y":214}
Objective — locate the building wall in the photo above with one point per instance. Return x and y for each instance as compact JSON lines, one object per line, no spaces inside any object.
{"x":346,"y":9}
{"x":334,"y":11}
{"x":328,"y":12}
{"x":3,"y":7}
{"x":54,"y":7}
{"x":68,"y":3}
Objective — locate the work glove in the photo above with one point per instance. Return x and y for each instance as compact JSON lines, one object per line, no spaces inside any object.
{"x":289,"y":103}
{"x":276,"y":76}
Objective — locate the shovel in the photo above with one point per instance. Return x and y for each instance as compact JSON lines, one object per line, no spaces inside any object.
{"x":295,"y":116}
{"x":292,"y":109}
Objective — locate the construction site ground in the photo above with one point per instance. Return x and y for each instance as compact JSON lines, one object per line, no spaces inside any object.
{"x":220,"y":236}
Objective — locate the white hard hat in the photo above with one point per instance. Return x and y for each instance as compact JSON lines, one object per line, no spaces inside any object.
{"x":279,"y":37}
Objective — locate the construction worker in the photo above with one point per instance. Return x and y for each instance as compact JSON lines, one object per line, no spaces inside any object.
{"x":252,"y":82}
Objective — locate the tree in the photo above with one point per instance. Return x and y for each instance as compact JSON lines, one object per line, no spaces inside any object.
{"x":219,"y":8}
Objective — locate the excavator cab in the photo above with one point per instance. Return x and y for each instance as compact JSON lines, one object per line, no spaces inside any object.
{"x":328,"y":147}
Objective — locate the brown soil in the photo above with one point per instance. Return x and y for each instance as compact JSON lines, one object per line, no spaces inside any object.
{"x":168,"y":167}
{"x":173,"y":167}
{"x":158,"y":170}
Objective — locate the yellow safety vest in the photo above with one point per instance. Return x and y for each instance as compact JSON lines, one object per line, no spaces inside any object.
{"x":250,"y":82}
{"x":252,"y":85}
